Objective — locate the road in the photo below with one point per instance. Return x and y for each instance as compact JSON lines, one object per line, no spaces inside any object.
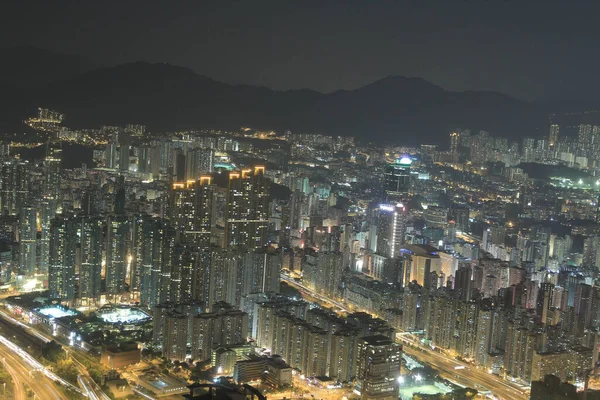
{"x":91,"y":389}
{"x":469,"y":376}
{"x":41,"y":385}
{"x":86,"y":383}
{"x":330,"y":303}
{"x":18,"y":390}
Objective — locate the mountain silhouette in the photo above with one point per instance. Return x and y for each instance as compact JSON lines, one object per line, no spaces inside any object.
{"x":165,"y":97}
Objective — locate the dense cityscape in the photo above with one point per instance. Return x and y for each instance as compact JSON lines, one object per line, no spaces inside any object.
{"x":289,"y":265}
{"x":319,"y":200}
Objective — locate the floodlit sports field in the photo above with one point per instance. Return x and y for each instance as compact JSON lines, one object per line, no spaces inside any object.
{"x":123,"y":315}
{"x":406,"y":393}
{"x":55,"y":312}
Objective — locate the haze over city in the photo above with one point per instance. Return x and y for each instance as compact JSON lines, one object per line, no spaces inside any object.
{"x":287,"y":200}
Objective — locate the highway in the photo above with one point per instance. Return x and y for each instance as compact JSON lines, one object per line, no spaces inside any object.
{"x":468,"y":376}
{"x":330,"y":303}
{"x":90,"y":388}
{"x":24,"y":326}
{"x":18,"y":390}
{"x":41,"y":385}
{"x":87,"y":384}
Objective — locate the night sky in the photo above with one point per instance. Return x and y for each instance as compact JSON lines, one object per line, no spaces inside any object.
{"x":534,"y":50}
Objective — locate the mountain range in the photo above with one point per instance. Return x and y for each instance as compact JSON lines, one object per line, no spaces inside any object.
{"x":166,"y":97}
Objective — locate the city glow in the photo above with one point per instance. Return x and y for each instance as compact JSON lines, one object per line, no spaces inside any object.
{"x":405,"y":160}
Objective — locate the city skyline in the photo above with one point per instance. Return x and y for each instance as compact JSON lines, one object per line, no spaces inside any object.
{"x":423,"y":225}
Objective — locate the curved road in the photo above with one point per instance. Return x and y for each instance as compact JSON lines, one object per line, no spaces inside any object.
{"x":18,"y":391}
{"x":43,"y":387}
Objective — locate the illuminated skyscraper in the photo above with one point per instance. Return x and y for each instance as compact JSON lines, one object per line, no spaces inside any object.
{"x":396,"y":179}
{"x":261,"y":272}
{"x":52,"y":164}
{"x":90,"y":258}
{"x":14,"y":183}
{"x":184,"y":265}
{"x":192,"y":210}
{"x":455,"y":145}
{"x":391,"y":228}
{"x":50,"y":202}
{"x":110,"y":155}
{"x":117,"y":236}
{"x":151,"y":263}
{"x":61,"y":268}
{"x":223,"y":282}
{"x":584,"y":139}
{"x":27,"y":240}
{"x":199,"y":162}
{"x":246,"y":212}
{"x":554,"y":133}
{"x":528,"y":149}
{"x":324,"y":273}
{"x":378,"y":368}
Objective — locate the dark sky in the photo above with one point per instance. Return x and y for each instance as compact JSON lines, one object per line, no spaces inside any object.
{"x":529,"y":49}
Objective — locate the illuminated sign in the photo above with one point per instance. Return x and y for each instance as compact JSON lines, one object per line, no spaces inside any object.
{"x":387,"y":207}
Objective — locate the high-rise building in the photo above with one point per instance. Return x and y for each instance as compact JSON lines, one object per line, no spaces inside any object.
{"x":50,"y":203}
{"x":480,"y":146}
{"x":175,"y":336}
{"x":303,"y":345}
{"x":455,"y":146}
{"x":226,"y":326}
{"x":90,"y":258}
{"x":47,"y":211}
{"x":27,"y":240}
{"x":462,"y":283}
{"x":584,"y":139}
{"x":343,"y":357}
{"x":151,"y":259}
{"x":111,"y":155}
{"x":117,"y":238}
{"x":193,"y":211}
{"x":14,"y":185}
{"x":61,"y":268}
{"x":553,"y":134}
{"x":378,"y":368}
{"x":184,"y":265}
{"x":423,"y":260}
{"x":222,"y":277}
{"x":124,"y":150}
{"x":261,"y":272}
{"x":484,"y":338}
{"x":396,"y":179}
{"x":528,"y":149}
{"x":176,"y":326}
{"x":199,"y":162}
{"x":52,"y":172}
{"x":324,"y":274}
{"x":246,"y":211}
{"x":391,"y":229}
